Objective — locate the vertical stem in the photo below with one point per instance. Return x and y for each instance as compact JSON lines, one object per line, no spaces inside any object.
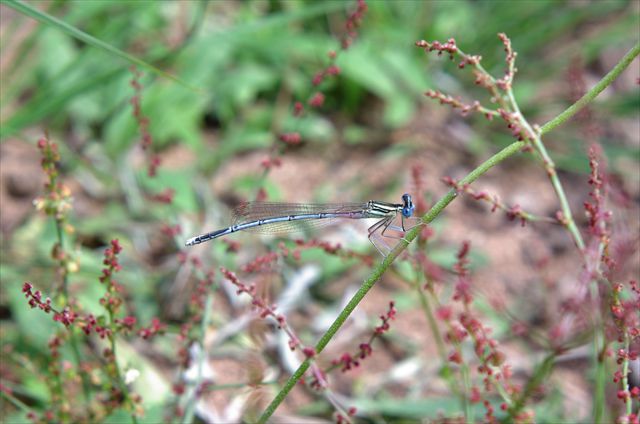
{"x":121,"y":383}
{"x":193,"y":398}
{"x":65,"y":273}
{"x":625,"y":375}
{"x":468,"y":411}
{"x":435,"y":332}
{"x":84,"y":377}
{"x":433,"y":325}
{"x":600,"y":376}
{"x":73,"y":339}
{"x":550,"y":167}
{"x":539,"y":375}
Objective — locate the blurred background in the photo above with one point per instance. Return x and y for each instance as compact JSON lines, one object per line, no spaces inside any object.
{"x":232,"y":73}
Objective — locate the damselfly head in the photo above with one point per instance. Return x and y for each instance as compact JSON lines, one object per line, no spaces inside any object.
{"x":407,"y":206}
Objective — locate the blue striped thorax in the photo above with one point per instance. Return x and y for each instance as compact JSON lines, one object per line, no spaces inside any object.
{"x":407,"y":206}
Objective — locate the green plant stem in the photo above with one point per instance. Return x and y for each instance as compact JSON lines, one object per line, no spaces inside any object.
{"x":62,"y":413}
{"x":243,"y":385}
{"x":436,"y":335}
{"x":550,"y":167}
{"x":600,"y":385}
{"x":84,"y":377}
{"x":433,"y":325}
{"x":625,"y":374}
{"x":466,"y":380}
{"x":539,"y":375}
{"x":65,"y":273}
{"x":599,"y":337}
{"x":508,"y":151}
{"x":591,"y":94}
{"x":15,"y":401}
{"x":599,"y":346}
{"x":191,"y":403}
{"x":557,"y":186}
{"x":86,"y":387}
{"x":121,"y":383}
{"x":508,"y":102}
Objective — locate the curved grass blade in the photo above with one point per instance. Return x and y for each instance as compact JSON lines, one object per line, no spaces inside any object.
{"x":89,"y":39}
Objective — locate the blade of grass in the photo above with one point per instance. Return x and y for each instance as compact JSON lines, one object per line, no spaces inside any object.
{"x":45,"y":104}
{"x":49,"y":100}
{"x":276,"y":20}
{"x":89,"y":39}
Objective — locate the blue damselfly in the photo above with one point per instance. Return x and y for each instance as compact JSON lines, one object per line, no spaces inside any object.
{"x":284,"y":217}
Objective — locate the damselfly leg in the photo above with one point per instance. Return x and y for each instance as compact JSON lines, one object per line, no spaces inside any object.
{"x":384,"y":229}
{"x":375,"y":235}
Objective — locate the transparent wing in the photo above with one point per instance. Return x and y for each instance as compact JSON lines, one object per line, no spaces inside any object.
{"x":254,"y":211}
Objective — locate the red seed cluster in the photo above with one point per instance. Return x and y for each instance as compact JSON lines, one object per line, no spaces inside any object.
{"x":329,"y":248}
{"x":35,"y":298}
{"x":498,"y":88}
{"x":317,"y":98}
{"x":271,"y":162}
{"x":56,"y":200}
{"x":353,"y":23}
{"x":454,"y":103}
{"x":171,"y":230}
{"x":504,"y":83}
{"x":291,"y":139}
{"x":154,"y":329}
{"x":165,"y":196}
{"x":261,"y":263}
{"x":146,"y":140}
{"x":127,"y":322}
{"x":390,"y":315}
{"x":66,"y":316}
{"x":594,"y":209}
{"x":111,"y":259}
{"x":112,"y":298}
{"x":448,"y":47}
{"x":515,"y":125}
{"x":264,"y":309}
{"x":348,"y":361}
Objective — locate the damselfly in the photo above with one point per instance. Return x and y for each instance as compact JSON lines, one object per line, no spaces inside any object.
{"x":283,"y":217}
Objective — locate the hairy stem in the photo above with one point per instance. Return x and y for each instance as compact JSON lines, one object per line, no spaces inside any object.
{"x":120,"y":380}
{"x":195,"y":392}
{"x":437,"y":336}
{"x":539,"y":375}
{"x":382,"y":267}
{"x":550,"y":168}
